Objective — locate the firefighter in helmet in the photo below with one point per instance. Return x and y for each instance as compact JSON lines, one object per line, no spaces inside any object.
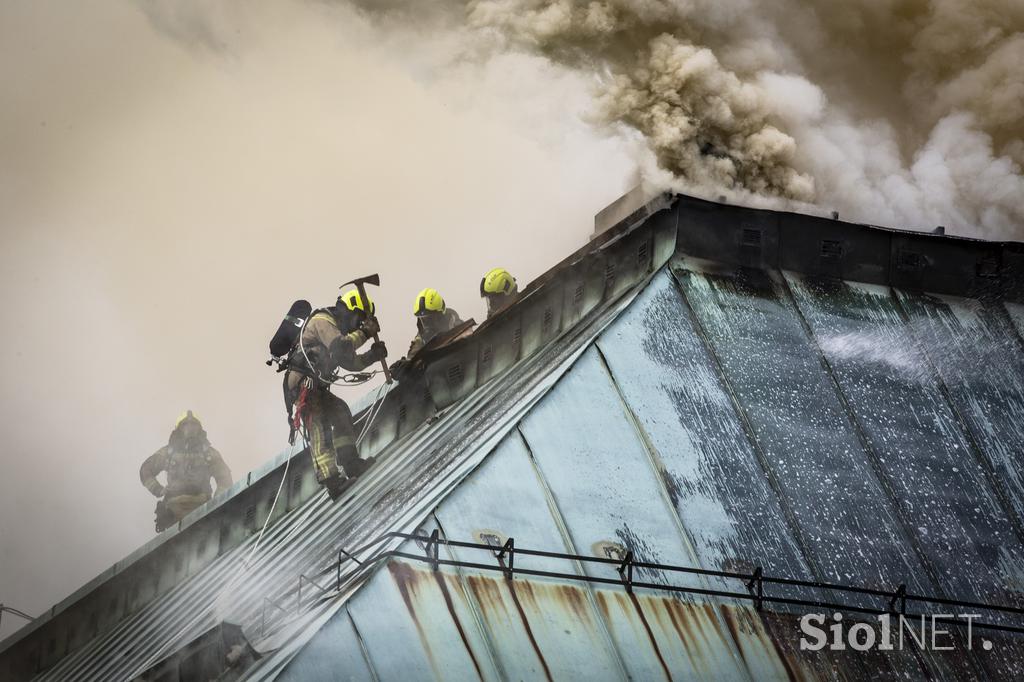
{"x":498,"y":287}
{"x":433,"y":317}
{"x":329,"y":341}
{"x":189,"y":462}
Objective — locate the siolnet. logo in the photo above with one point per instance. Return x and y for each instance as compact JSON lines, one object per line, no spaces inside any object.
{"x":889,"y":633}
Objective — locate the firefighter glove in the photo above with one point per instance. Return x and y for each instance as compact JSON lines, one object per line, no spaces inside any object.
{"x":370,"y":326}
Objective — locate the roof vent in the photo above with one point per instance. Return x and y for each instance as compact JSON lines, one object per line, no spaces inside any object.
{"x":987,"y":267}
{"x":546,"y":323}
{"x":250,"y":518}
{"x":751,"y":237}
{"x":490,"y":537}
{"x":402,"y":413}
{"x":641,"y":253}
{"x":831,"y":248}
{"x":454,"y":375}
{"x":609,"y":274}
{"x":609,"y":550}
{"x":909,"y":260}
{"x":517,"y":335}
{"x":486,"y":355}
{"x":577,"y":295}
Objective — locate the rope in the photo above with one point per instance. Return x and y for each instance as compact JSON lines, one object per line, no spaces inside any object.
{"x":350,"y":379}
{"x":375,"y":408}
{"x":355,"y":378}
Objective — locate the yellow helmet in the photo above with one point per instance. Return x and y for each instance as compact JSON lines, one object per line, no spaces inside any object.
{"x":353,"y":301}
{"x":428,"y":301}
{"x":184,"y":416}
{"x":498,"y":281}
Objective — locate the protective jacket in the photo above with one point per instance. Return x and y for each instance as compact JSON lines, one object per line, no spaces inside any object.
{"x":329,"y":340}
{"x":498,"y":302}
{"x":430,"y":325}
{"x":323,"y":348}
{"x":188,"y":471}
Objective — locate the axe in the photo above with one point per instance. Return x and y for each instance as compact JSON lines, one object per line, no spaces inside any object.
{"x":360,"y":284}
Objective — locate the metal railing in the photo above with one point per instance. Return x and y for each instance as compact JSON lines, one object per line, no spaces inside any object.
{"x":892,"y":602}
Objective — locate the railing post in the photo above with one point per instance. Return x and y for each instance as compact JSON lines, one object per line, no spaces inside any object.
{"x":508,"y":548}
{"x":755,"y":586}
{"x":433,"y":549}
{"x":626,"y":571}
{"x":899,"y":595}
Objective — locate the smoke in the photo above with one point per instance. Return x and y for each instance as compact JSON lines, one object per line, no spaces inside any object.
{"x":905,"y":112}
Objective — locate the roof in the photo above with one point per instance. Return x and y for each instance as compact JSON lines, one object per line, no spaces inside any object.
{"x":727,"y":419}
{"x":698,"y":385}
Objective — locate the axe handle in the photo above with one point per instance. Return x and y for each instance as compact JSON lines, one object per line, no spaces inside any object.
{"x":383,"y":363}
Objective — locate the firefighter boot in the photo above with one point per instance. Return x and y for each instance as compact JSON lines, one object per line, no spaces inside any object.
{"x":354,"y":466}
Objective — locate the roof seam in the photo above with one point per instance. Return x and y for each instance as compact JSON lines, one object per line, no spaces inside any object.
{"x":563,"y":530}
{"x":741,"y":415}
{"x":485,"y":633}
{"x":905,"y":527}
{"x":656,"y":464}
{"x":1002,"y":494}
{"x":1014,"y":329}
{"x":362,"y":646}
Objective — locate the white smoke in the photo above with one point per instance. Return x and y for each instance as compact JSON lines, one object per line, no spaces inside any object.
{"x":906,"y":112}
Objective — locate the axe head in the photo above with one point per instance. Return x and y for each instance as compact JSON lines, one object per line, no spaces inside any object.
{"x":373,"y":279}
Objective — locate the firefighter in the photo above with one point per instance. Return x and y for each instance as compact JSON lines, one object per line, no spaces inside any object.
{"x":433,"y":317}
{"x":499,"y":289}
{"x":329,"y":340}
{"x":189,"y":462}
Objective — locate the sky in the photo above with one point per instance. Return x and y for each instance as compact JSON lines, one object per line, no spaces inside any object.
{"x":164,"y":199}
